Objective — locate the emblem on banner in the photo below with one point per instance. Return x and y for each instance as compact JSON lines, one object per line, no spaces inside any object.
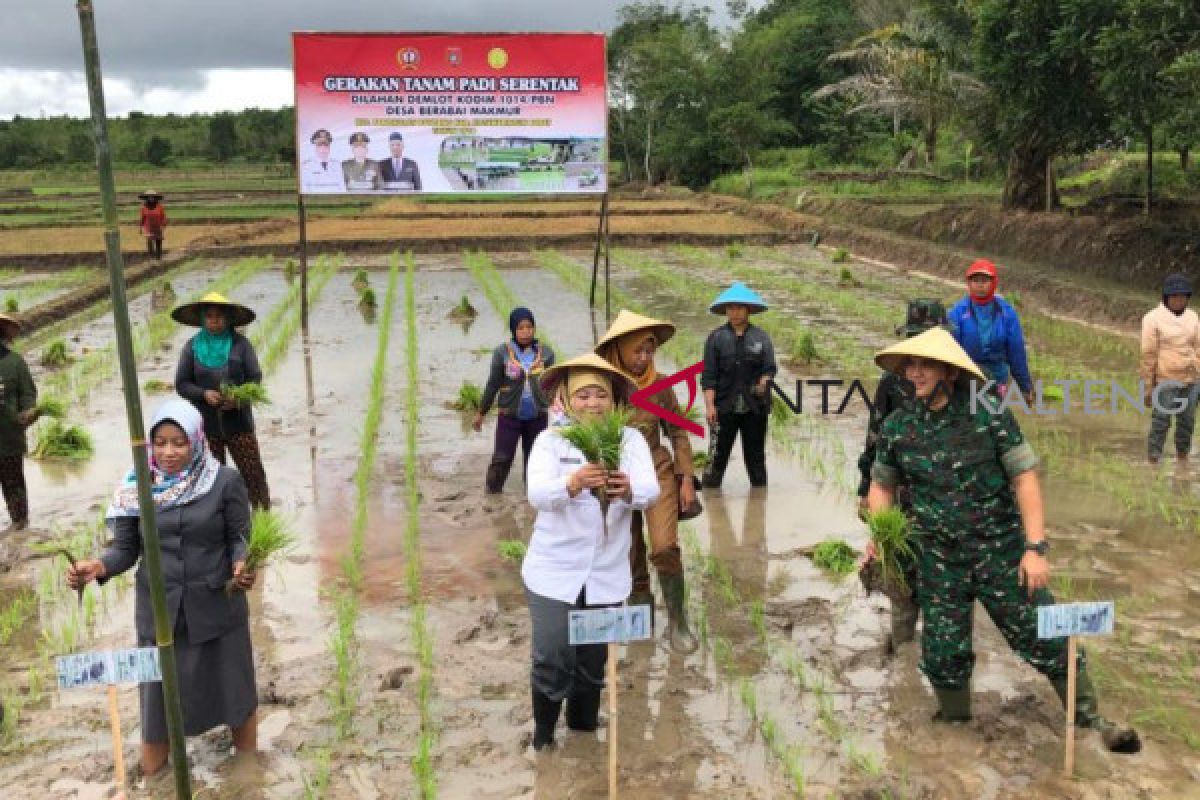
{"x":408,"y":57}
{"x":454,"y":56}
{"x":497,"y":58}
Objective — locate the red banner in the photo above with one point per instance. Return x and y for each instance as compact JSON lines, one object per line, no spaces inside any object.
{"x":447,"y":113}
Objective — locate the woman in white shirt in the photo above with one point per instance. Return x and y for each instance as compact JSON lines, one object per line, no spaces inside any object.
{"x":571,"y":563}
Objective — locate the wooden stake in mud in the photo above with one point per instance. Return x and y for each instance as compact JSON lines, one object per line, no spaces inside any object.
{"x":602,"y":241}
{"x":133,"y":405}
{"x":1069,"y":758}
{"x":114,"y":716}
{"x":612,"y":720}
{"x":302,"y":223}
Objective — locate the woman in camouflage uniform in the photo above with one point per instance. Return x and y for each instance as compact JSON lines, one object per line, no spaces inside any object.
{"x":977,"y":510}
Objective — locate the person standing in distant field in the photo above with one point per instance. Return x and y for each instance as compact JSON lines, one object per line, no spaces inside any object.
{"x":18,"y":410}
{"x":320,"y":172}
{"x":988,"y":328}
{"x":152,"y":221}
{"x":398,"y":172}
{"x":1170,"y":371}
{"x":739,"y":365}
{"x":361,"y":173}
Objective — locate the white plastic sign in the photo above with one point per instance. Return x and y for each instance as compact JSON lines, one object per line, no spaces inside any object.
{"x":108,"y":667}
{"x":1076,"y":619}
{"x":604,"y":625}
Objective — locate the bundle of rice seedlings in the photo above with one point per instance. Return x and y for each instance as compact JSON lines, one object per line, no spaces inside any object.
{"x":57,"y":440}
{"x":699,"y":460}
{"x":889,"y":531}
{"x":836,"y":557}
{"x":246,"y":394}
{"x":464,"y":310}
{"x":269,"y":537}
{"x":361,"y":281}
{"x":11,"y":305}
{"x":162,"y":296}
{"x":470,"y":397}
{"x":734,"y":250}
{"x":599,"y":439}
{"x":840,"y":255}
{"x":157,"y":386}
{"x":511,"y":550}
{"x":366,"y":300}
{"x":846,"y":280}
{"x":55,"y":354}
{"x":289,"y":270}
{"x":51,"y":407}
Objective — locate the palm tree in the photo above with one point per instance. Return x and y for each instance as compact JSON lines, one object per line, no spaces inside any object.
{"x":905,"y":70}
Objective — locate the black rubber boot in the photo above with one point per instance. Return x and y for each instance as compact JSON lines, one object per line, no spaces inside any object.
{"x":545,"y":718}
{"x":583,"y":710}
{"x":678,"y":632}
{"x":954,"y":705}
{"x":1087,"y":715}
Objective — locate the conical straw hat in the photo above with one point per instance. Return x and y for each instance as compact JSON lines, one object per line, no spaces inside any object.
{"x":623,"y":385}
{"x":150,"y":193}
{"x":193,"y":313}
{"x":628,"y":322}
{"x":738,"y":294}
{"x":936,"y":344}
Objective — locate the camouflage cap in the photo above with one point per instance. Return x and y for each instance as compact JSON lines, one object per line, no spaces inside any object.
{"x":923,"y":313}
{"x":358,"y":137}
{"x":321,"y":136}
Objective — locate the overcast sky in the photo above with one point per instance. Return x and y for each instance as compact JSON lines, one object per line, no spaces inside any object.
{"x":209,"y":55}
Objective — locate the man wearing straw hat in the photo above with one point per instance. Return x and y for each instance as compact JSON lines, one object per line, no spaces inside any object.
{"x":977,"y":510}
{"x":739,"y":364}
{"x":18,"y":401}
{"x":152,"y":220}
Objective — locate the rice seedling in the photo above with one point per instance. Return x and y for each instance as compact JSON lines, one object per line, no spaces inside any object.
{"x":51,"y":407}
{"x":162,"y":296}
{"x":464,"y":310}
{"x":835,"y":557}
{"x":14,"y":615}
{"x":13,"y":705}
{"x":11,"y":305}
{"x":55,"y":354}
{"x":361,"y":281}
{"x":270,"y":536}
{"x":470,"y":397}
{"x":846,"y":280}
{"x":366,"y":300}
{"x":316,"y":784}
{"x":734,"y":250}
{"x":889,"y":531}
{"x":289,"y":270}
{"x":157,"y":386}
{"x":700,"y":460}
{"x":840,"y":255}
{"x":57,"y":440}
{"x":512,"y":550}
{"x":246,"y":394}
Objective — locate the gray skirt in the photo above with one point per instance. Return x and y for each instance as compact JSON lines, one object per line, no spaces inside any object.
{"x":216,"y":684}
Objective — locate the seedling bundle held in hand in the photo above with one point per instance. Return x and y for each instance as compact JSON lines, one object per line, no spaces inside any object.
{"x":269,"y":537}
{"x":599,"y":439}
{"x":890,"y":532}
{"x":247,"y":394}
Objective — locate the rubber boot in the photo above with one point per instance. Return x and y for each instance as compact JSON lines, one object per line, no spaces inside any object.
{"x":545,"y":718}
{"x":583,"y":710}
{"x":1087,"y":715}
{"x":678,"y":633}
{"x":954,"y":705}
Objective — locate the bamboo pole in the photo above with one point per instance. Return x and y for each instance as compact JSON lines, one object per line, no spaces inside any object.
{"x":133,"y":404}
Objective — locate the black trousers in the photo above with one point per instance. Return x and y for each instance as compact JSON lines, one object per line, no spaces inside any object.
{"x":753,"y":429}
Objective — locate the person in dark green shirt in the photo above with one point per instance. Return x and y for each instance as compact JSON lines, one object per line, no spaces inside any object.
{"x":18,"y":402}
{"x":978,"y":516}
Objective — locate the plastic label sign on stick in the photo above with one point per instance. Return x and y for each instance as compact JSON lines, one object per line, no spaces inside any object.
{"x":1071,"y":620}
{"x":108,"y":667}
{"x":609,"y":625}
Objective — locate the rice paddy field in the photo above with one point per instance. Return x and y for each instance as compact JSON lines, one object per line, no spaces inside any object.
{"x":392,"y":638}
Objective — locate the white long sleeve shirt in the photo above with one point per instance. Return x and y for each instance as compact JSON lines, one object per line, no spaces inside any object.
{"x":568,"y":549}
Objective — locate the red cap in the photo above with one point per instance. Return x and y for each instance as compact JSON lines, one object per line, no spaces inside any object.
{"x":982,"y":267}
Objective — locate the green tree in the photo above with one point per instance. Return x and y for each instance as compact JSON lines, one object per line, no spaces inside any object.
{"x":222,"y":137}
{"x":81,"y":149}
{"x":158,"y":150}
{"x":1035,"y":58}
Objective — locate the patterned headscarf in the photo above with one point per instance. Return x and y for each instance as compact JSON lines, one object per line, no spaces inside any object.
{"x":177,"y":489}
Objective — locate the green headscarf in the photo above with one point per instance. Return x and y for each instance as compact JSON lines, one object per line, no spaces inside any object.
{"x":212,"y":350}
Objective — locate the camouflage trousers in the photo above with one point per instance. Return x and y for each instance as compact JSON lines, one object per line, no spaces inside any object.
{"x":952,"y":579}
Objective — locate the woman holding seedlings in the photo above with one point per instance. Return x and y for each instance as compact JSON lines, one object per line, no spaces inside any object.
{"x":203,"y":523}
{"x":513,"y":385}
{"x":630,"y":345}
{"x":989,"y":329}
{"x":213,"y":363}
{"x":739,"y":365}
{"x":977,"y":511}
{"x":578,"y":555}
{"x":152,"y":220}
{"x":18,"y":410}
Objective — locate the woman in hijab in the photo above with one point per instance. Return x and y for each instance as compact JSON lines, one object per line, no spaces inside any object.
{"x":573,"y":562}
{"x":988,"y":328}
{"x":203,"y":523}
{"x":215,"y":357}
{"x":629,"y":345}
{"x":520,"y":404}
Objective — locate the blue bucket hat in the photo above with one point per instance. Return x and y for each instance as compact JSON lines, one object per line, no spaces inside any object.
{"x":738,"y":294}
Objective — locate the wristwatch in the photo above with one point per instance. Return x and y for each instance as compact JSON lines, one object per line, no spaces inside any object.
{"x":1038,"y":547}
